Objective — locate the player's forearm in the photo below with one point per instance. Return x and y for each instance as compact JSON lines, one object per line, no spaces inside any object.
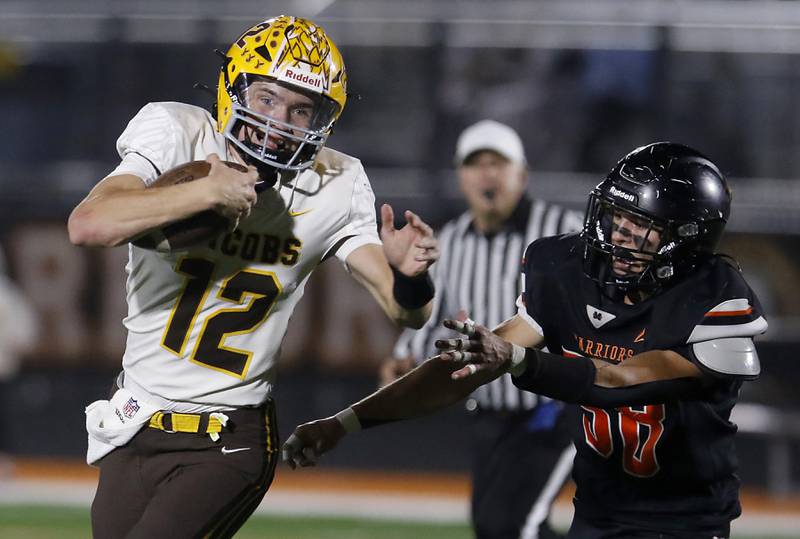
{"x":412,"y":298}
{"x":107,"y":219}
{"x":589,"y":382}
{"x":412,"y":318}
{"x":407,"y":301}
{"x":423,"y":391}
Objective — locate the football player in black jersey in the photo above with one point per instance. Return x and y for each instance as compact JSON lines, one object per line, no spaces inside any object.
{"x":645,"y":327}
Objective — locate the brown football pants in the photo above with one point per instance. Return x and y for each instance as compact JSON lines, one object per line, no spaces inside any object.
{"x":179,"y":484}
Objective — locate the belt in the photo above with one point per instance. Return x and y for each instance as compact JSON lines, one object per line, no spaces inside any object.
{"x":205,"y":423}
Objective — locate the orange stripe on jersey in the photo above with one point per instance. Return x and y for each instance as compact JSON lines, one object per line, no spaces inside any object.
{"x":743,"y":312}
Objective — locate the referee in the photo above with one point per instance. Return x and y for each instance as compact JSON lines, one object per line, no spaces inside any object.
{"x":522,"y":452}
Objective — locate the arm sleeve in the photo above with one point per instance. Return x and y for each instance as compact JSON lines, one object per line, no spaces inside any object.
{"x":642,"y":394}
{"x":149,"y":145}
{"x":728,"y":308}
{"x":361,"y":227}
{"x":571,"y":379}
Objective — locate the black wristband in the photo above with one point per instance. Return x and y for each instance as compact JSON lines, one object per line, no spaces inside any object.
{"x":566,"y":379}
{"x":412,"y":292}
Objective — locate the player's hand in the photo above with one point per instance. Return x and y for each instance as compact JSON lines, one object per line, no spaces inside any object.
{"x":233,"y":191}
{"x":393,"y":368}
{"x":411,"y":249}
{"x":481,"y":350}
{"x":310,"y":440}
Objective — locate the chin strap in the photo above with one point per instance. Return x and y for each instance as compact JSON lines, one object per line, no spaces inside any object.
{"x":291,"y":195}
{"x":636,"y":289}
{"x":268,"y":177}
{"x":267,"y":174}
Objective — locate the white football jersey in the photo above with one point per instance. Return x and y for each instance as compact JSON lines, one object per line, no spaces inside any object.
{"x":205,"y":325}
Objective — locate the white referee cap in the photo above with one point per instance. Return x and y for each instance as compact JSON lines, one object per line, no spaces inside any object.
{"x":490,"y":135}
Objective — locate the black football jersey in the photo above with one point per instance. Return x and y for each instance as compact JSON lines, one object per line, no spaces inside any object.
{"x":665,"y":466}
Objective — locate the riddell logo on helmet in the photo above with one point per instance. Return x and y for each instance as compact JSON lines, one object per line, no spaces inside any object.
{"x":630,"y":197}
{"x":309,"y":80}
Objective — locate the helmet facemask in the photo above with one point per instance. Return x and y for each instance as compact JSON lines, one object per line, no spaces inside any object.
{"x":277,"y":124}
{"x":281,"y":87}
{"x":625,"y":249}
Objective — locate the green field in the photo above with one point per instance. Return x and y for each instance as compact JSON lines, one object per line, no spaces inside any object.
{"x":27,"y":522}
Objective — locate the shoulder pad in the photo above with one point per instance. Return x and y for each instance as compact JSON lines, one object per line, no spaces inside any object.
{"x":730,"y":357}
{"x":736,"y":317}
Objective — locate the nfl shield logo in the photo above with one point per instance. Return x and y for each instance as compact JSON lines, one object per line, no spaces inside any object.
{"x":130,"y":408}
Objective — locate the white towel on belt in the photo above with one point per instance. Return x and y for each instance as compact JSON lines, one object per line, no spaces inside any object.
{"x":113,"y":423}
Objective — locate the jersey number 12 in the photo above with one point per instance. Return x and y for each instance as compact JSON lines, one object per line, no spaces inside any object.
{"x":260,"y":287}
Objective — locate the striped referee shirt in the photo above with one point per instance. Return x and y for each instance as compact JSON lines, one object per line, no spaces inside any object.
{"x":479,"y":276}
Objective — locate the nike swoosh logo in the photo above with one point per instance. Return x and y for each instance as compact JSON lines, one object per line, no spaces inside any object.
{"x":301,"y":212}
{"x":226,"y":451}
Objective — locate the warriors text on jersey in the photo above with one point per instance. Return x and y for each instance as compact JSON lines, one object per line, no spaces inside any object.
{"x":664,"y":466}
{"x":205,"y":325}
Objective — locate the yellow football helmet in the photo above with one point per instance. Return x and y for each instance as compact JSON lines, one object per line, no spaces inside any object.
{"x":281,"y":88}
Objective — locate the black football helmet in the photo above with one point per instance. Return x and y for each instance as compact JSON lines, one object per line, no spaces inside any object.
{"x":668,"y":188}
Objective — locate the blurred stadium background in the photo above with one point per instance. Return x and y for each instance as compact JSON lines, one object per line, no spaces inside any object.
{"x":582,"y":81}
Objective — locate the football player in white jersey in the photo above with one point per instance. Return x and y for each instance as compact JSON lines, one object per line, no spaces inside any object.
{"x":187,"y":444}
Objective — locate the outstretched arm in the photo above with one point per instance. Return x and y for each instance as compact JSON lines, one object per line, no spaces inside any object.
{"x":397,"y":274}
{"x":426,"y":389}
{"x":422,"y":391}
{"x":652,"y":376}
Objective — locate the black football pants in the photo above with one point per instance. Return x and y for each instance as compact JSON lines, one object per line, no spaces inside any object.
{"x":520,"y":463}
{"x":182,"y":485}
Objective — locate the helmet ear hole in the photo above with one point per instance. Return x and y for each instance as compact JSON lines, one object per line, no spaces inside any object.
{"x":665,"y":272}
{"x":688,"y":230}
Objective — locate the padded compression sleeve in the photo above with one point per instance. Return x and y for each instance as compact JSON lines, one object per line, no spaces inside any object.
{"x":566,"y":379}
{"x":571,"y":380}
{"x":642,"y":394}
